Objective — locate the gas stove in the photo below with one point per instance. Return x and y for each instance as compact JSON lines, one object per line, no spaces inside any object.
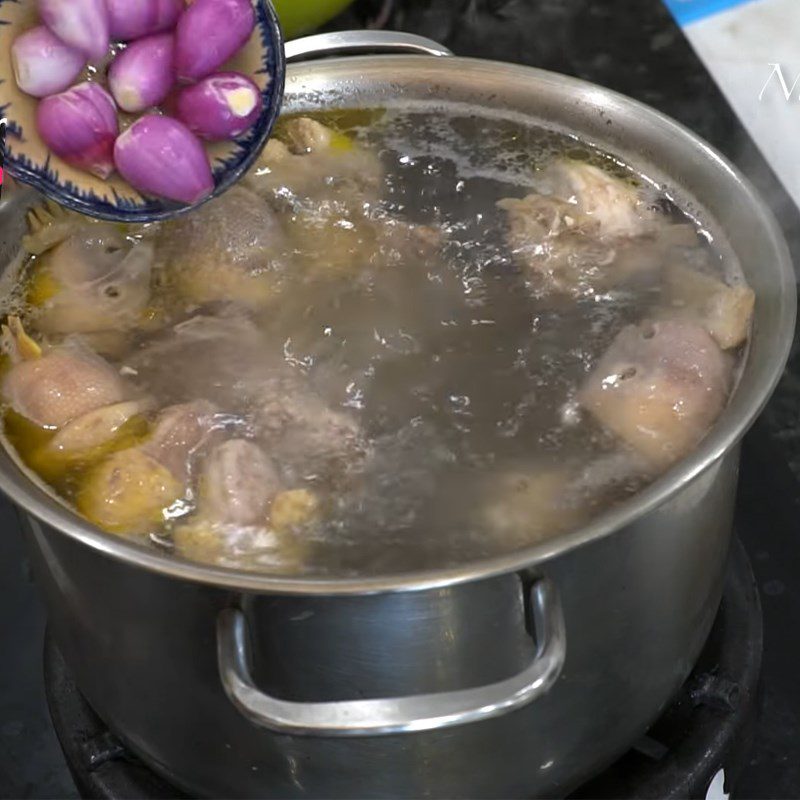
{"x":723,"y":732}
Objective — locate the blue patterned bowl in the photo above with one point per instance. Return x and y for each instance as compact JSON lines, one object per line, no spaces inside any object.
{"x":28,"y":159}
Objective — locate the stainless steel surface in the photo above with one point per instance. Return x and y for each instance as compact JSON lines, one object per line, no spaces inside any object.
{"x":639,"y":587}
{"x":352,"y":42}
{"x":383,"y":716}
{"x":637,"y":607}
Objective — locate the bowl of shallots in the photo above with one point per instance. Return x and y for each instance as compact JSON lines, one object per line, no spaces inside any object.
{"x":136,"y":111}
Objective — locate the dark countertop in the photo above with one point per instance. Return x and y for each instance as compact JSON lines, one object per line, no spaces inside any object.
{"x":634,"y":47}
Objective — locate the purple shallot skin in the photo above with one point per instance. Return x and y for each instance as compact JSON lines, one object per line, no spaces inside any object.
{"x":209,"y":33}
{"x":80,"y":126}
{"x":143,"y":74}
{"x":132,"y":19}
{"x":220,"y":107}
{"x":161,"y":156}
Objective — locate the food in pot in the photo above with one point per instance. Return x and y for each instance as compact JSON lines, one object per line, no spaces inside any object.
{"x":659,"y":386}
{"x":724,"y":311}
{"x":134,"y":489}
{"x":387,"y":349}
{"x":51,"y":387}
{"x":232,"y":250}
{"x":94,"y":280}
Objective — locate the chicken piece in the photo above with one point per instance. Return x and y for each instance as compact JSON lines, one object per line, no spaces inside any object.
{"x":48,"y":225}
{"x":294,"y":510}
{"x":255,"y":547}
{"x":61,"y":384}
{"x":128,"y":493}
{"x":609,"y":474}
{"x":523,"y":506}
{"x":237,"y":484}
{"x":331,"y":241}
{"x":224,"y":359}
{"x":659,"y":387}
{"x":198,"y":541}
{"x":398,"y":239}
{"x":563,"y":253}
{"x":307,"y":136}
{"x":304,"y":435}
{"x":329,"y":187}
{"x":611,"y":204}
{"x":95,"y":280}
{"x":724,"y":311}
{"x":232,"y":529}
{"x":231,"y":249}
{"x":529,"y":503}
{"x":178,"y":433}
{"x":318,"y":164}
{"x":132,"y":490}
{"x":585,"y":230}
{"x":92,"y":435}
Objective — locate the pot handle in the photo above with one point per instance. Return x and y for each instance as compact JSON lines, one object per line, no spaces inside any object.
{"x":394,"y":715}
{"x":325,"y":44}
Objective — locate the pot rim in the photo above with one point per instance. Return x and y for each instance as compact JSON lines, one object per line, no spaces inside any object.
{"x":745,"y":405}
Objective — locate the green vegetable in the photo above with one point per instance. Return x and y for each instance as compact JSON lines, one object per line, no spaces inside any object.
{"x":301,"y":16}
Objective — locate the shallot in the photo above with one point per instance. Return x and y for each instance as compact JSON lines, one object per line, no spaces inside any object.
{"x":161,"y":156}
{"x":142,"y":75}
{"x":132,"y":19}
{"x":80,"y":126}
{"x":82,"y":24}
{"x":43,"y":64}
{"x":209,"y":33}
{"x":220,"y":107}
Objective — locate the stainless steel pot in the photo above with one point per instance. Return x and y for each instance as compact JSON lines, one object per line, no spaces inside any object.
{"x":512,"y":677}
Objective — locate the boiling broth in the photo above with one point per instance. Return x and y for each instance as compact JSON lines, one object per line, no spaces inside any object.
{"x":398,"y":317}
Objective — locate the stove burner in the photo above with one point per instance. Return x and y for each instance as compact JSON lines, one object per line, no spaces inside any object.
{"x":707,"y":729}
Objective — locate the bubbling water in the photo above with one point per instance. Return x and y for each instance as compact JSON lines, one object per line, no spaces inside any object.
{"x":460,"y":374}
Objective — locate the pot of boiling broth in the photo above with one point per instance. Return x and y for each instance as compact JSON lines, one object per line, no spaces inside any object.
{"x":413,"y":466}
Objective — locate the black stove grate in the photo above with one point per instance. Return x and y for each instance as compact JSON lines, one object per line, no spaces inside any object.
{"x":707,"y":729}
